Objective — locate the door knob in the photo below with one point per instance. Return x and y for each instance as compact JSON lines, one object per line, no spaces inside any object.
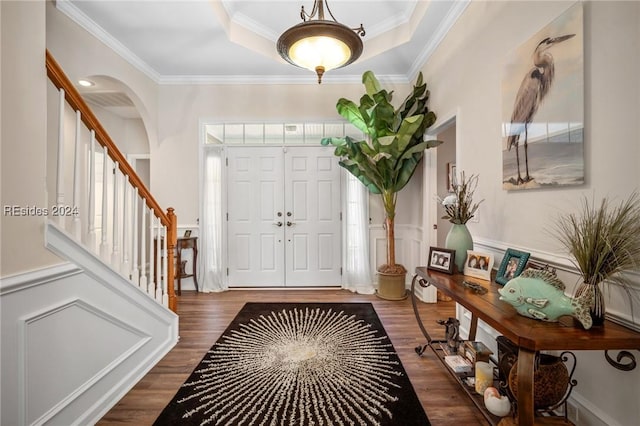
{"x":278,"y":224}
{"x":289,"y":214}
{"x":279,"y":214}
{"x":290,"y":223}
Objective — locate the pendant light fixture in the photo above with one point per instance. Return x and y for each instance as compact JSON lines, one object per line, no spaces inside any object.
{"x":320,"y":45}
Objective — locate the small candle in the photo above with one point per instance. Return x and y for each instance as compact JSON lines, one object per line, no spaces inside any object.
{"x":484,"y":376}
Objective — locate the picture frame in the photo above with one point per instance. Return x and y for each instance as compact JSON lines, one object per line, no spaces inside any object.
{"x":451,"y":176}
{"x":559,"y":118}
{"x":441,"y":259}
{"x":478,"y":265}
{"x":512,"y":265}
{"x":187,"y":233}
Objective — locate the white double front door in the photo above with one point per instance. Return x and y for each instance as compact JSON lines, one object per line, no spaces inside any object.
{"x":283,"y":217}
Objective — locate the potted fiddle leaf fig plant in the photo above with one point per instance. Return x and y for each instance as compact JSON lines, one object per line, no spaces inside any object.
{"x":387,"y":158}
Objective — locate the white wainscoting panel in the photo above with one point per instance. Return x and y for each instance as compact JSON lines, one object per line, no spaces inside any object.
{"x":75,"y":338}
{"x":53,"y":346}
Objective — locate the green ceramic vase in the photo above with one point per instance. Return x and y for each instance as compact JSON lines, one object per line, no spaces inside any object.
{"x":459,"y":239}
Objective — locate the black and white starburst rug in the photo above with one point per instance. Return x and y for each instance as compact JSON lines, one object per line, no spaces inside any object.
{"x":303,"y":364}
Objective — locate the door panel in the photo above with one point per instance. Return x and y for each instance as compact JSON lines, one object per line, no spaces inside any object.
{"x":313,"y":246}
{"x":254,"y":240}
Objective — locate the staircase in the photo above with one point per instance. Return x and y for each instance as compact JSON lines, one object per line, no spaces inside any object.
{"x":78,"y":335}
{"x":132,"y":228}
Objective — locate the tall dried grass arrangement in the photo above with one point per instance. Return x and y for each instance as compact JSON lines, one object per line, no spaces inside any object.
{"x":604,"y":240}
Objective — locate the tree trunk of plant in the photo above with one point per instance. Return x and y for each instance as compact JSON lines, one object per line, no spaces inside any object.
{"x":389,"y":202}
{"x":391,"y":241}
{"x":391,"y":267}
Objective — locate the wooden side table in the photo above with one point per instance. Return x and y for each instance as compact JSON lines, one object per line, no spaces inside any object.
{"x":186,"y":243}
{"x":181,"y":243}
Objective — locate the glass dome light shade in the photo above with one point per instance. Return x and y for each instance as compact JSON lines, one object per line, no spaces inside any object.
{"x":320,"y":45}
{"x":319,"y":51}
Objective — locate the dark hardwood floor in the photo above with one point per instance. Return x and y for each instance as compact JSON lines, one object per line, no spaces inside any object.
{"x":203,"y":318}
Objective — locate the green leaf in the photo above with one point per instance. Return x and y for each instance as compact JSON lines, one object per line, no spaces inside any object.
{"x":349,"y":110}
{"x":380,"y":156}
{"x":333,"y":141}
{"x":408,"y":129}
{"x":433,"y":143}
{"x":409,"y":166}
{"x":382,"y":117}
{"x":362,"y":176}
{"x":429,"y":119}
{"x":386,"y":140}
{"x":419,"y":79}
{"x":415,"y":149}
{"x":371,"y":83}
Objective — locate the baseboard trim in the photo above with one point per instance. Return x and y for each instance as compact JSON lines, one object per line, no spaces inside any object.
{"x":584,"y":413}
{"x":103,"y":405}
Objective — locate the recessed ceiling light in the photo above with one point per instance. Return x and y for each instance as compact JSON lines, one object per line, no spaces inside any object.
{"x":86,"y":83}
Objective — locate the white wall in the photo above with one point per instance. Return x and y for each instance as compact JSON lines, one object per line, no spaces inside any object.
{"x":130,"y":134}
{"x":466,"y":72}
{"x":24,"y":107}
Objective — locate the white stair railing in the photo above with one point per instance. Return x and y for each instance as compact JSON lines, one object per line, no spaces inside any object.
{"x":131,"y":221}
{"x":143,"y":249}
{"x":126,"y":216}
{"x":76,"y":180}
{"x":60,"y":160}
{"x":91,"y":197}
{"x":135,"y":272}
{"x":104,"y":244}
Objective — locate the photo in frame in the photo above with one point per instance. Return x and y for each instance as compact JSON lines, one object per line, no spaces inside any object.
{"x":478,"y":265}
{"x":187,"y":233}
{"x":451,"y":177}
{"x":512,"y":265}
{"x":441,"y":259}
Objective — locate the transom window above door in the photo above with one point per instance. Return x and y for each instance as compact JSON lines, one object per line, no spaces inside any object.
{"x":277,"y":133}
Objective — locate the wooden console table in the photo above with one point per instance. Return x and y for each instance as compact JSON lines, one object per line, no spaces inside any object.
{"x":528,"y":334}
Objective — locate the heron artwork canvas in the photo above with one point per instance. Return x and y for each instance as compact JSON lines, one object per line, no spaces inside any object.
{"x":543,"y":107}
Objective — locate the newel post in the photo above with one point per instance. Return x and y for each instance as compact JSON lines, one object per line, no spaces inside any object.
{"x":171,"y":245}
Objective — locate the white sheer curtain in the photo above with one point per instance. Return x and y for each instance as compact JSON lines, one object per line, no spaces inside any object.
{"x":210,"y":263}
{"x":357,"y":272}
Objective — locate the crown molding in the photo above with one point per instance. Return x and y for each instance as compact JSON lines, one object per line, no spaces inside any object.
{"x":98,"y":32}
{"x":273,"y":79}
{"x":445,"y":25}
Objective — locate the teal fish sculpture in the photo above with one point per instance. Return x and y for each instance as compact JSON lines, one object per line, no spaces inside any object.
{"x":539,"y":294}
